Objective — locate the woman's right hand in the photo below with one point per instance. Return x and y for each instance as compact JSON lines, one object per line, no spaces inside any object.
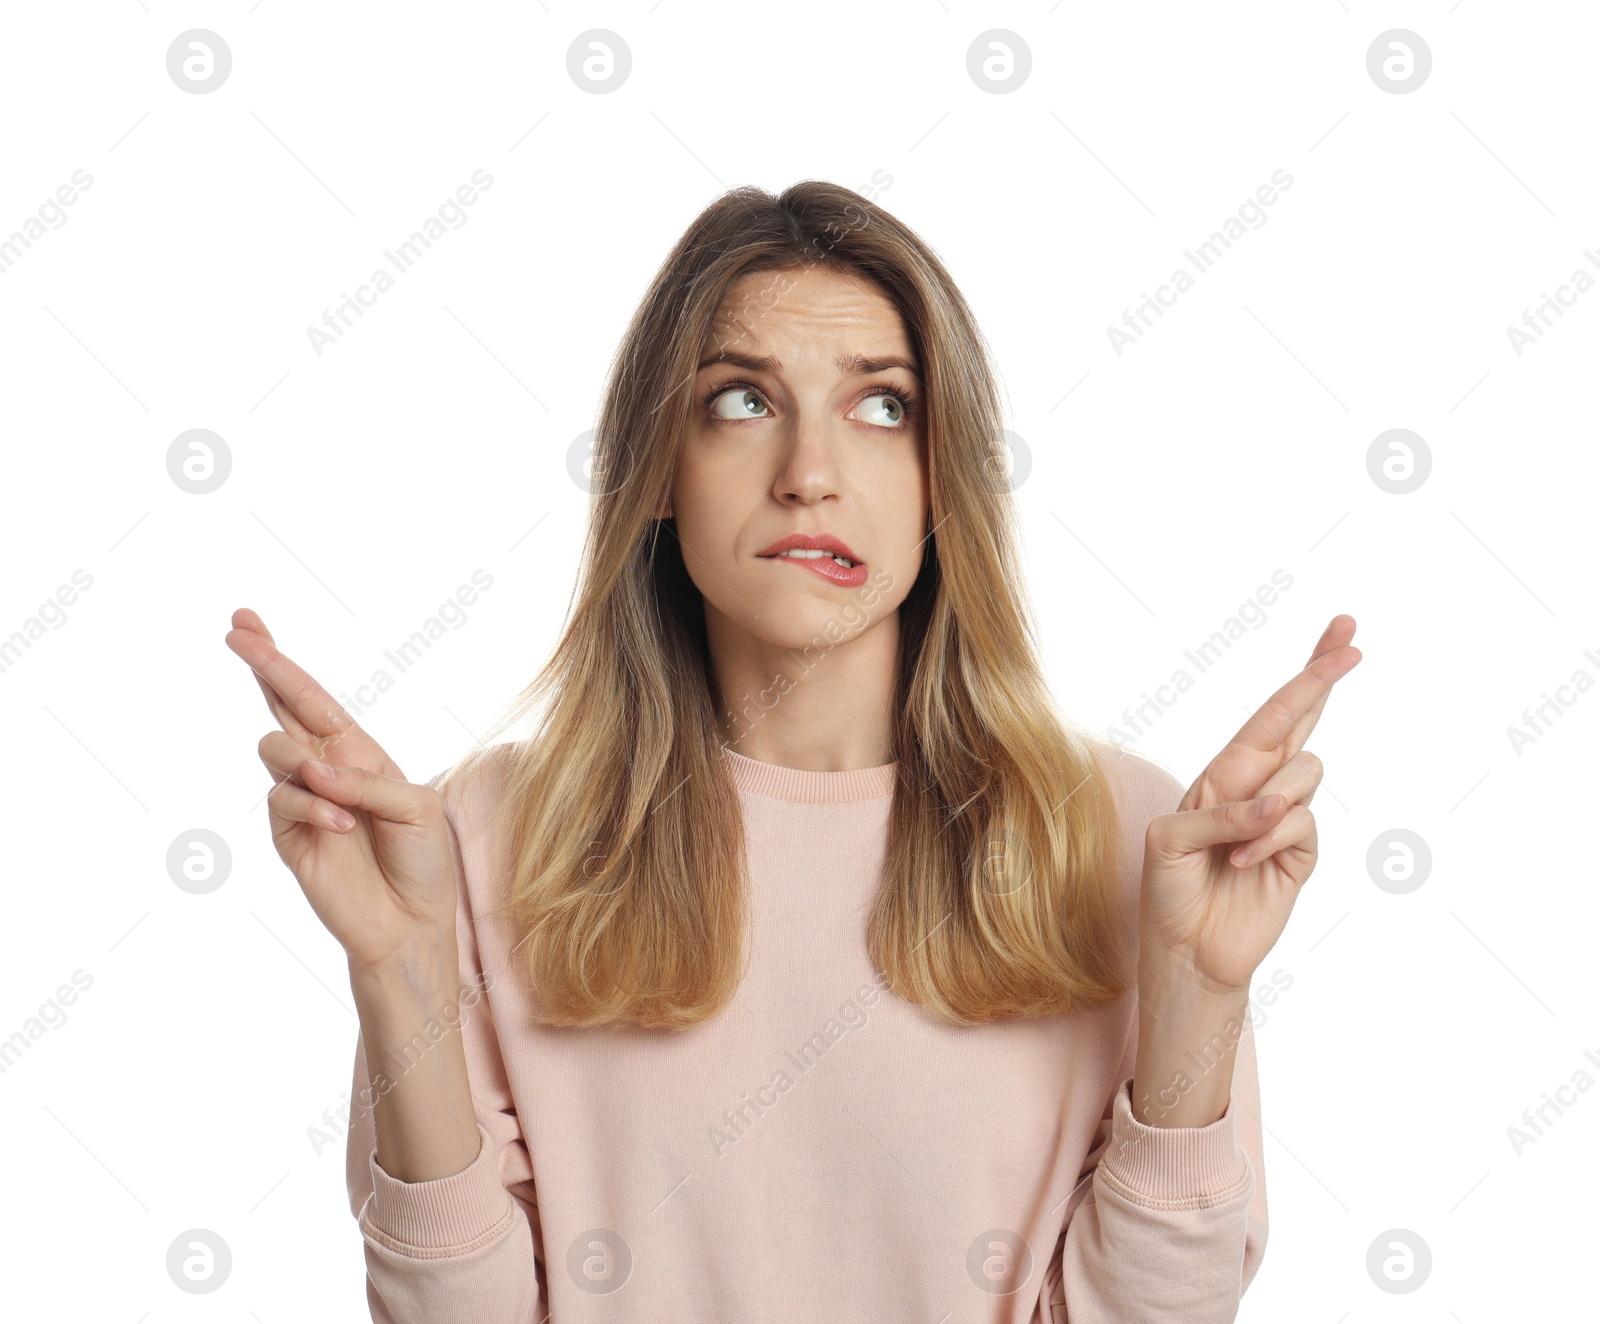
{"x":370,"y":850}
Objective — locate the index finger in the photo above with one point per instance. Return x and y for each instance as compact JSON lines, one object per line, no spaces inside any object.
{"x":1341,"y":629}
{"x":245,"y":619}
{"x":1286,"y":719}
{"x":303,"y":699}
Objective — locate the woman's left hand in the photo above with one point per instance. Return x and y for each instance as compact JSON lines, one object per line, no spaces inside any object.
{"x":1219,"y":881}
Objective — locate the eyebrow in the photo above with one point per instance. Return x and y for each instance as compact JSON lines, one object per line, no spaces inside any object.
{"x":854,"y":363}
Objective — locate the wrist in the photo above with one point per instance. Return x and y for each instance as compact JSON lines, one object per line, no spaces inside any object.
{"x":1174,"y":969}
{"x":427,"y":969}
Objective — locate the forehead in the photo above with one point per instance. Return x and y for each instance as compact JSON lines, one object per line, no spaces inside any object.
{"x":807,"y":313}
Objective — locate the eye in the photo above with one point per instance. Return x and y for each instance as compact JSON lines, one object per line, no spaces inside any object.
{"x":886,"y":408}
{"x":736,"y":402}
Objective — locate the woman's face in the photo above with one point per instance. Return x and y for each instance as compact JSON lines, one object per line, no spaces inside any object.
{"x":807,"y":418}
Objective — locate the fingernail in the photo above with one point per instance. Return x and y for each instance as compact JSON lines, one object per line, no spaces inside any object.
{"x":1240,"y":857}
{"x":343,"y":820}
{"x":326,"y":769}
{"x":1267,"y":805}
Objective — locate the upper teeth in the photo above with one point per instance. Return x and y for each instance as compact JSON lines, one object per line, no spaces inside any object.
{"x":810,"y":555}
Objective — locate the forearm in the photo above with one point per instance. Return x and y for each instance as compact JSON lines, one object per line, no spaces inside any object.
{"x":1188,"y":1039}
{"x":1177,"y":1192}
{"x":418,"y":1088}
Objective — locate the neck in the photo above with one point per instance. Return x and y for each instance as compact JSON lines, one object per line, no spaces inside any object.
{"x":825,"y":704}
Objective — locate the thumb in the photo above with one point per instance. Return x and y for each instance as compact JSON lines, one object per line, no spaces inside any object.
{"x":1195,"y":829}
{"x":390,"y":798}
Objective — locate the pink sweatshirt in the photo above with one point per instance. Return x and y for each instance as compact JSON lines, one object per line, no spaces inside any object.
{"x":822,"y":1150}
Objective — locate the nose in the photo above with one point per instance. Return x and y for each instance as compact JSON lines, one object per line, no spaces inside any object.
{"x":810,"y":469}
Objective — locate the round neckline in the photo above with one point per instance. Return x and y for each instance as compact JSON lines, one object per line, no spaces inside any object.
{"x":807,"y":785}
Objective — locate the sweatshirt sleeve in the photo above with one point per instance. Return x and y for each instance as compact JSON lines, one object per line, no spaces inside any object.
{"x":1172,"y":1225}
{"x":466,"y":1248}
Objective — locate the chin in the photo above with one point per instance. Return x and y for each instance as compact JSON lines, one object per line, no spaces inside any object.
{"x":813,"y":620}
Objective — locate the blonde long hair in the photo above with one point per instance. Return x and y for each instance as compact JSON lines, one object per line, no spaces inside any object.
{"x":624,"y":840}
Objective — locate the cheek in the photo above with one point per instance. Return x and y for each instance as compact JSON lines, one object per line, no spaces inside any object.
{"x":709,"y":490}
{"x":687,"y":478}
{"x":903,"y":513}
{"x":900,"y":479}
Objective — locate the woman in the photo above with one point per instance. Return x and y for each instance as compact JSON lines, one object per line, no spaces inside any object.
{"x":806,"y":963}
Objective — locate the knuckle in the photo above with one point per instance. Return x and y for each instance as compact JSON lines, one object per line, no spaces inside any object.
{"x":270,"y":750}
{"x":1156,"y":831}
{"x":430,"y":803}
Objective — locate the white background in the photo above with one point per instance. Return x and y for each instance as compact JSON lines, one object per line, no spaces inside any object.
{"x":1168,"y":483}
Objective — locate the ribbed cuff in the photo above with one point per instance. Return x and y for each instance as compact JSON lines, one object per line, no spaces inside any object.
{"x":455,"y":1214}
{"x":1189,"y":1167}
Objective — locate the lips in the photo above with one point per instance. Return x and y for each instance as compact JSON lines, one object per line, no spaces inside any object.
{"x":812,"y":542}
{"x":822,"y":549}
